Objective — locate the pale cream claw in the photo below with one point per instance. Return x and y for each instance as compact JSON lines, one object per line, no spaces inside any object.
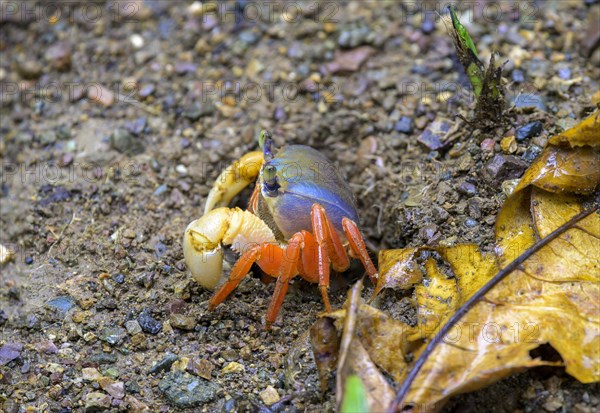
{"x":234,"y":179}
{"x":228,"y":226}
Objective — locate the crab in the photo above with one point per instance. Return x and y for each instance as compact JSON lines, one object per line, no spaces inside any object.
{"x":301,"y":219}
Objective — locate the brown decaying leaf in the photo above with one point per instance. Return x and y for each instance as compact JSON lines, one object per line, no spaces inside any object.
{"x":355,"y":359}
{"x":325,"y":343}
{"x":553,"y":298}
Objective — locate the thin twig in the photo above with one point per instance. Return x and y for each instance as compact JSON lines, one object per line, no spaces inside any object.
{"x":438,"y":338}
{"x":60,"y":236}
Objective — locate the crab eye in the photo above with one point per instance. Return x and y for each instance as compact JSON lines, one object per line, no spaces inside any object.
{"x":265,"y":141}
{"x":270,"y":178}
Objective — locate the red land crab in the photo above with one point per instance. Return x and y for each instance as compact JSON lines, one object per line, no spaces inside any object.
{"x":301,"y":219}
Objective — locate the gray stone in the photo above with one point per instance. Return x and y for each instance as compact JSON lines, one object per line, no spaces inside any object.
{"x":529,"y":130}
{"x":97,"y":402}
{"x":113,"y":335}
{"x":531,"y":153}
{"x":433,"y":135}
{"x":133,"y":327}
{"x":199,"y":109}
{"x":149,"y":324}
{"x":9,"y":352}
{"x":62,"y":304}
{"x":123,"y":141}
{"x":467,"y":188}
{"x":165,"y":364}
{"x":47,"y":137}
{"x":185,"y":391}
{"x":405,"y":125}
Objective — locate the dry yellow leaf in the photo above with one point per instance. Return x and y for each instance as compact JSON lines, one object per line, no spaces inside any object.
{"x":585,"y":133}
{"x":400,"y":263}
{"x":572,"y":170}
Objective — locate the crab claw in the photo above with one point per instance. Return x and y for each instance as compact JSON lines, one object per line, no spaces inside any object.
{"x":233,"y":179}
{"x":222,"y":226}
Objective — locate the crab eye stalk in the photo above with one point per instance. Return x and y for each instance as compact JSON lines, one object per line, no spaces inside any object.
{"x":265,"y":141}
{"x":270,"y":179}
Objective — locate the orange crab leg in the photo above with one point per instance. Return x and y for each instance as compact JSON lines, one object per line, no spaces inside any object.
{"x":357,"y":244}
{"x":268,"y":257}
{"x":307,"y":264}
{"x":329,"y":249}
{"x":287,"y":272}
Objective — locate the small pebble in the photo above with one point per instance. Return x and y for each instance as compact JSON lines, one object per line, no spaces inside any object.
{"x":146,"y":90}
{"x":470,"y":223}
{"x":508,"y":144}
{"x":186,"y":391}
{"x":503,"y":167}
{"x":62,"y":304}
{"x":509,"y":186}
{"x":518,"y":76}
{"x":136,"y":40}
{"x":123,"y":141}
{"x":269,"y":395}
{"x":164,"y":364}
{"x":467,"y":188}
{"x":112,"y":335}
{"x":59,"y":56}
{"x":433,"y":135}
{"x":200,"y":367}
{"x":487,"y":145}
{"x":160,"y":190}
{"x":115,"y":389}
{"x":10,"y":352}
{"x":182,"y":322}
{"x":100,"y":94}
{"x":564,"y":73}
{"x":181,"y":170}
{"x":119,"y":278}
{"x":90,"y":374}
{"x":148,"y":323}
{"x":46,"y":347}
{"x":233,"y":367}
{"x":531,"y":153}
{"x":528,"y":131}
{"x":405,"y":125}
{"x":5,"y":254}
{"x":97,"y":402}
{"x":29,"y":69}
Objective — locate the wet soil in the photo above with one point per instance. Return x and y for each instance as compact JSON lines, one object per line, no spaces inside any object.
{"x":116,"y":117}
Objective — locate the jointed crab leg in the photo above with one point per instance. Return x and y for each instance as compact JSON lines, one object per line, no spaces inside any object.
{"x":287,"y":272}
{"x":330,"y":247}
{"x":268,"y":256}
{"x":234,"y":179}
{"x":358,"y":247}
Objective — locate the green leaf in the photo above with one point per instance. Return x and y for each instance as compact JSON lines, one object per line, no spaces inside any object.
{"x":355,"y":396}
{"x":486,"y":82}
{"x":463,"y":34}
